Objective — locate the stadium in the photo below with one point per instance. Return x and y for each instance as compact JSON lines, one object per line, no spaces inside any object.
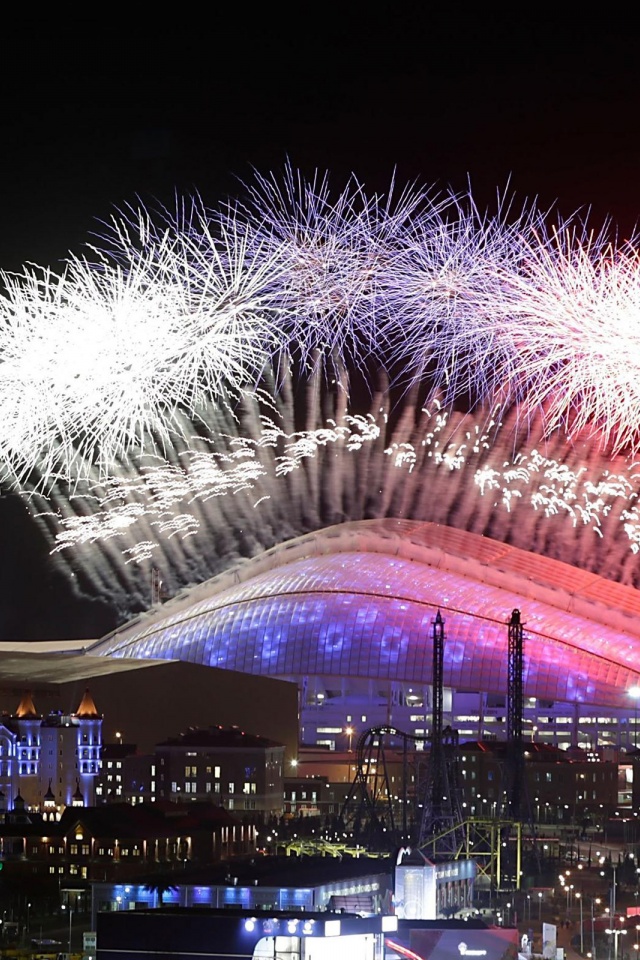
{"x":346,"y":614}
{"x":314,"y":420}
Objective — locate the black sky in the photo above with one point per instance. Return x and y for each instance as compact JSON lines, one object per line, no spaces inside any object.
{"x":95,"y":113}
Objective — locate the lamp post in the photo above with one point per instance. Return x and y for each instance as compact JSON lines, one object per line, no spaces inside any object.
{"x":579,"y":898}
{"x":634,"y":693}
{"x":568,"y":888}
{"x":593,"y":928}
{"x":70,"y":909}
{"x":615,"y":933}
{"x":349,"y":733}
{"x":539,"y":905}
{"x":612,"y":906}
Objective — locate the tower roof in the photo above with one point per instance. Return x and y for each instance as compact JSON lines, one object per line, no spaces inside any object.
{"x":26,"y":709}
{"x":87,"y":709}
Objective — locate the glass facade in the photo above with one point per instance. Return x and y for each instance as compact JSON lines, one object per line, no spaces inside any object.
{"x":358,"y":601}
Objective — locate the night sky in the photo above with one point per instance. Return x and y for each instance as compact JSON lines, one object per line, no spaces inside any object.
{"x":93,"y":116}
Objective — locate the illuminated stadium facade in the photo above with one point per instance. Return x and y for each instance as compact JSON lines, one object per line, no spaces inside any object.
{"x":346,"y":613}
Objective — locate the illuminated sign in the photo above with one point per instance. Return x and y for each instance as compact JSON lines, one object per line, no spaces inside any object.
{"x":465,"y":951}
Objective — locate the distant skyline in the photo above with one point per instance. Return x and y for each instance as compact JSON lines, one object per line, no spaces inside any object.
{"x":92,"y":120}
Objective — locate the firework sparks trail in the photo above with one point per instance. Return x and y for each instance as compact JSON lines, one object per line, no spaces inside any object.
{"x":265,"y":482}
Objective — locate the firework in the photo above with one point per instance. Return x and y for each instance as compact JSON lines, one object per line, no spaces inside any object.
{"x":98,"y":361}
{"x":265,"y":480}
{"x":180,"y":394}
{"x":173,"y":314}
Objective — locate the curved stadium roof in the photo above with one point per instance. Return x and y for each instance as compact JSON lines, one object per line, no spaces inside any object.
{"x":358,"y":599}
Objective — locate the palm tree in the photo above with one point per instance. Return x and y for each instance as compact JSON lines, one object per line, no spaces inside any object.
{"x":159,"y":886}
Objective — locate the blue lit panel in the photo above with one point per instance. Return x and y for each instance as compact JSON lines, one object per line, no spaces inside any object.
{"x":368,"y":614}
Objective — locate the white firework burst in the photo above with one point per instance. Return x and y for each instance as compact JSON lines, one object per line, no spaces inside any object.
{"x":335,"y":253}
{"x":98,"y":361}
{"x":189,"y":309}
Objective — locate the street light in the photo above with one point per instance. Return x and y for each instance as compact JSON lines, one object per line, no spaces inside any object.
{"x":613,"y":931}
{"x":349,"y":733}
{"x":568,"y":888}
{"x":579,"y":897}
{"x":593,"y":929}
{"x":634,"y":693}
{"x":70,"y":909}
{"x":539,"y":905}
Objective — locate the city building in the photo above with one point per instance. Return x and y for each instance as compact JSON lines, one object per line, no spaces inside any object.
{"x":571,"y":786}
{"x":226,"y":766}
{"x":119,"y":841}
{"x":314,"y":796}
{"x":425,"y":891}
{"x":111,"y":783}
{"x":241,"y":771}
{"x":259,"y":883}
{"x":346,"y":615}
{"x":561,"y":786}
{"x":49,"y":762}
